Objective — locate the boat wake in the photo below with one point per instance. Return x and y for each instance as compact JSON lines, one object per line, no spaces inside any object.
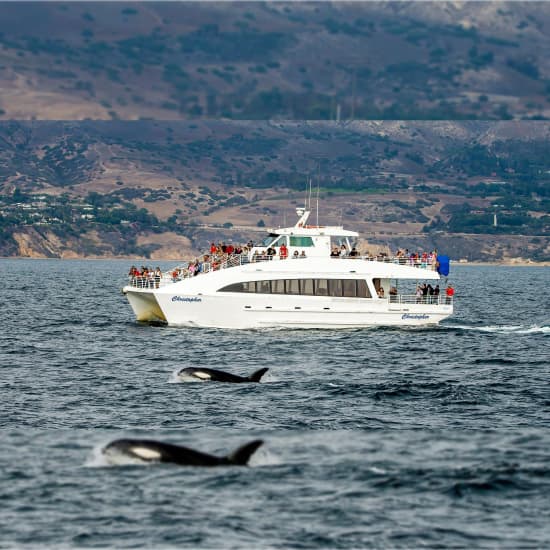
{"x":504,"y":329}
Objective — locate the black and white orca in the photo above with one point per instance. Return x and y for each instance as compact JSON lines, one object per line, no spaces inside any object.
{"x":128,"y":451}
{"x":204,"y":375}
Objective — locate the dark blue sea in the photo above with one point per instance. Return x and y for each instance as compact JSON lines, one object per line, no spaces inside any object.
{"x":375,"y":438}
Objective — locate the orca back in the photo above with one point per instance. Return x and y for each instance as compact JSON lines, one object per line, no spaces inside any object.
{"x":257,"y":376}
{"x":148,"y":450}
{"x":241,"y":456}
{"x":212,"y":374}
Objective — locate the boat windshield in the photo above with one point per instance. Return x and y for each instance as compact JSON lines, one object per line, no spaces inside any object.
{"x":268,"y":240}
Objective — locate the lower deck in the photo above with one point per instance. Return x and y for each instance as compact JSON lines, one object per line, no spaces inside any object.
{"x":251,"y":310}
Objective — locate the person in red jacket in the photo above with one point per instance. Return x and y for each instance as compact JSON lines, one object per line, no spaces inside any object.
{"x":283,"y":252}
{"x":450,"y":292}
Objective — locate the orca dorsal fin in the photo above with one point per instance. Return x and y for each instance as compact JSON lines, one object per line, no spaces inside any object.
{"x":242,"y":455}
{"x":257,"y":376}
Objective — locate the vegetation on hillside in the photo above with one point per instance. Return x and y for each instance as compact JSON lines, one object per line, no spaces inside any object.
{"x":160,"y":177}
{"x":287,"y":60}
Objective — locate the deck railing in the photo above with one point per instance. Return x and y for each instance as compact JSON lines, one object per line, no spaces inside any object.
{"x":185,"y":271}
{"x":181,"y":272}
{"x":422,"y":263}
{"x":414,"y":299}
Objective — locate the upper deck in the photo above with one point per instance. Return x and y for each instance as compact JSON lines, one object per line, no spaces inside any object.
{"x":290,"y":245}
{"x":194,"y":269}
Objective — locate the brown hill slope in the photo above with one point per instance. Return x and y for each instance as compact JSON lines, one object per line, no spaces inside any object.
{"x":261,"y":60}
{"x":156,"y":188}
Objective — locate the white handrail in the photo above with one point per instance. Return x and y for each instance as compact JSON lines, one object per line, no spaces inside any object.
{"x":185,"y":271}
{"x":414,"y":299}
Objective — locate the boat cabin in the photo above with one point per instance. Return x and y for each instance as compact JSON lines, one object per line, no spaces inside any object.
{"x":303,"y":241}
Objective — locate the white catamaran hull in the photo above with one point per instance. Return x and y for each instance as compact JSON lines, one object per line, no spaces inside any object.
{"x":259,"y":311}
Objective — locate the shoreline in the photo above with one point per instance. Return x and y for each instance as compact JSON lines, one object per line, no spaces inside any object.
{"x":503,"y":264}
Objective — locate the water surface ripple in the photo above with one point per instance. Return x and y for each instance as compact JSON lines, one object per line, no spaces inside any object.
{"x":373,"y":438}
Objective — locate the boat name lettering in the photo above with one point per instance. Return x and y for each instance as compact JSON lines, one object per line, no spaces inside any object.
{"x":406,"y":316}
{"x":185,"y":299}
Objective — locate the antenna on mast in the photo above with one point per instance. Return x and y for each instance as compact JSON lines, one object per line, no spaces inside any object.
{"x":318,"y":178}
{"x":317,"y":204}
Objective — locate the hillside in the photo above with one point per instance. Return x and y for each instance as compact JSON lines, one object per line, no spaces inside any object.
{"x":165,"y":189}
{"x":274,"y":60}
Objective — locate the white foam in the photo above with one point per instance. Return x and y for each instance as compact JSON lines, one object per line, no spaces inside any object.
{"x":268,"y":377}
{"x":176,"y":378}
{"x":263,"y":457}
{"x":97,"y":458}
{"x":506,"y":329}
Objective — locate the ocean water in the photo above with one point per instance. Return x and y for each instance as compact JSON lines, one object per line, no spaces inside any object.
{"x":373,"y":438}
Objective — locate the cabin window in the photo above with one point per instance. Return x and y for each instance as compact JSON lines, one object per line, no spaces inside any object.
{"x":335,"y":287}
{"x":263,"y":287}
{"x":268,"y":240}
{"x":293,"y":286}
{"x":349,"y":288}
{"x":236,"y":287}
{"x":362,"y":289}
{"x":321,"y":287}
{"x":307,"y":287}
{"x":280,"y":241}
{"x":278,"y":286}
{"x":301,"y":242}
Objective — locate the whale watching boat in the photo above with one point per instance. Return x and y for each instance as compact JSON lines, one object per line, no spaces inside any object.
{"x":304,"y":276}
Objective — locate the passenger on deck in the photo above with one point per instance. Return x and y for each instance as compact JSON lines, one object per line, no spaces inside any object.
{"x":283,"y":252}
{"x":335,"y":253}
{"x":430,"y":289}
{"x":303,"y":254}
{"x":424,"y":293}
{"x":158,"y":277}
{"x":381,"y":292}
{"x":393,"y":294}
{"x":343,"y":250}
{"x":449,"y":293}
{"x":296,"y":255}
{"x":354,"y":253}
